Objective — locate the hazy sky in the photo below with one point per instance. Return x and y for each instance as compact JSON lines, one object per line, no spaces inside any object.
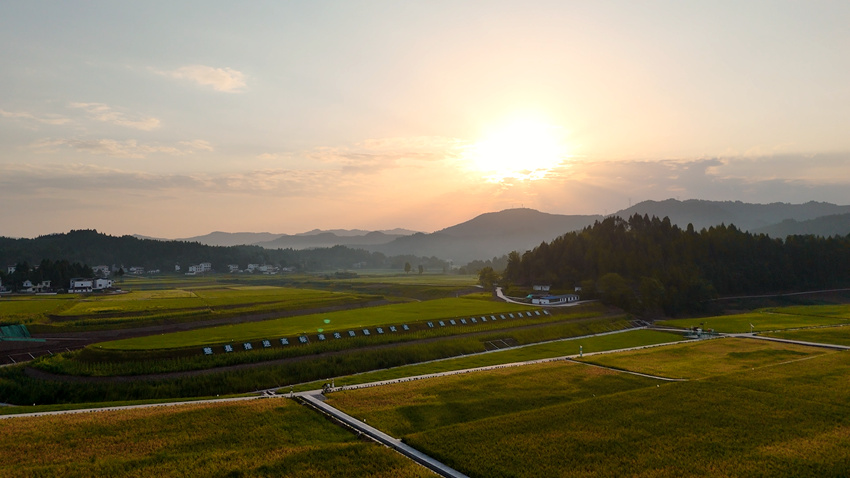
{"x":175,"y":119}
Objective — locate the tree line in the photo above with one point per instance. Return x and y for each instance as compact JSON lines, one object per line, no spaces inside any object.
{"x":94,"y":248}
{"x":59,"y":273}
{"x":647,"y":265}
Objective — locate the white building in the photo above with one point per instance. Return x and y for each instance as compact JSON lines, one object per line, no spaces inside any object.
{"x":554,"y":299}
{"x":102,"y":271}
{"x":27,"y":286}
{"x":100,"y":284}
{"x":80,"y":285}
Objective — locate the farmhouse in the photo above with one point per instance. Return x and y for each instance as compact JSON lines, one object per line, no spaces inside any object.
{"x":100,"y":284}
{"x":80,"y":285}
{"x":554,"y":299}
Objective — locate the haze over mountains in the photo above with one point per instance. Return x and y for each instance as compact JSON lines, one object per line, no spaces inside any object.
{"x":497,"y":233}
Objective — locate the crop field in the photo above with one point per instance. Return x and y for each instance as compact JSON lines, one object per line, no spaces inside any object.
{"x":31,"y":309}
{"x":144,"y":307}
{"x":422,"y":405}
{"x":688,"y":360}
{"x":632,"y":338}
{"x":764,"y":416}
{"x":271,"y":437}
{"x":769,"y":319}
{"x":825,"y":335}
{"x":396,"y":314}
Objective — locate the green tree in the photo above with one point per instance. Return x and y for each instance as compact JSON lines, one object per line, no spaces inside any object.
{"x":421,"y":269}
{"x":487,"y":277}
{"x":407,"y":267}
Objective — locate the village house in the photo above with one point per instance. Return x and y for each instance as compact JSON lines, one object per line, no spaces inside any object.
{"x":80,"y":285}
{"x":554,"y":299}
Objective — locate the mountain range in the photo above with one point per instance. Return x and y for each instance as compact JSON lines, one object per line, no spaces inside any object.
{"x":497,"y":233}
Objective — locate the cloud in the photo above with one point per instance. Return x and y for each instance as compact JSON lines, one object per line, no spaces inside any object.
{"x":24,"y":180}
{"x":220,"y":79}
{"x":120,"y":149}
{"x":102,"y":112}
{"x":52,"y":119}
{"x":373,"y":156}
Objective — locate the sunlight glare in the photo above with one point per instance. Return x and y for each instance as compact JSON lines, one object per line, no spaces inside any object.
{"x":522,"y":149}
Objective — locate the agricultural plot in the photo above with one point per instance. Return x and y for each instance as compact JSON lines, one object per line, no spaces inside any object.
{"x":144,"y":307}
{"x":763,"y":416}
{"x":422,"y":405}
{"x":769,"y":319}
{"x":825,"y":335}
{"x":357,"y":319}
{"x":559,"y":348}
{"x":696,"y":360}
{"x":32,"y":309}
{"x":272,"y":437}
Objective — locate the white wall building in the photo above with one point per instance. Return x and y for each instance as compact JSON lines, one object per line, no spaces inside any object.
{"x":100,"y":284}
{"x":79,"y":285}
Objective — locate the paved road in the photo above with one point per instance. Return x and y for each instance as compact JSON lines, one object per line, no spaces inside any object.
{"x":315,"y":399}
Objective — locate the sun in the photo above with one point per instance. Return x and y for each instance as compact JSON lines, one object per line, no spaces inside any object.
{"x":521,"y":149}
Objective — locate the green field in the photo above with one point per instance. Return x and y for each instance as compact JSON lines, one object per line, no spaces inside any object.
{"x":771,"y":417}
{"x":824,"y":335}
{"x":769,"y":319}
{"x":395,"y":314}
{"x":688,"y":360}
{"x":30,"y":309}
{"x":272,"y":437}
{"x":559,"y":348}
{"x":71,"y":312}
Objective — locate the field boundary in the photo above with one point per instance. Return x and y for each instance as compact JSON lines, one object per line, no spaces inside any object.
{"x":313,"y":400}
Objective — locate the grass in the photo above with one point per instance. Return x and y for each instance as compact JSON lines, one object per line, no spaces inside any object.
{"x":825,"y":335}
{"x":271,"y":437}
{"x":395,"y":314}
{"x":758,"y":414}
{"x":633,"y":338}
{"x":769,"y":319}
{"x":688,"y":360}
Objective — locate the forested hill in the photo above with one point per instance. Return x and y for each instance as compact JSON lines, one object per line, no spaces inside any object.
{"x":645,"y":264}
{"x":93,"y":248}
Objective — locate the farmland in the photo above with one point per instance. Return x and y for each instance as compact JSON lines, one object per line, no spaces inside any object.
{"x":395,"y":314}
{"x":747,"y":407}
{"x":143,"y":308}
{"x":558,"y":348}
{"x":688,"y":360}
{"x":258,"y":438}
{"x":770,"y":319}
{"x":823,"y":335}
{"x":759,"y":414}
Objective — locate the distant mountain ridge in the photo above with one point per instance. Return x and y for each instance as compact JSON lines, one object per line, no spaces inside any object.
{"x":826,"y":226}
{"x":494,"y":234}
{"x":489,"y":235}
{"x":745,"y":216}
{"x":314,"y":238}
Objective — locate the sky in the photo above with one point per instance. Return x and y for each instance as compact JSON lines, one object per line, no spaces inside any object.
{"x":175,"y":119}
